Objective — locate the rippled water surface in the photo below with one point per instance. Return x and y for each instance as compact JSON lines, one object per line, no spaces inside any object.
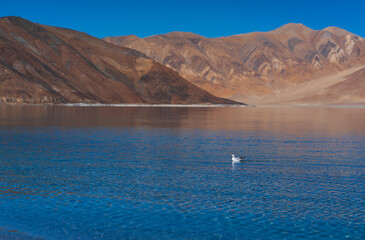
{"x":166,"y":173}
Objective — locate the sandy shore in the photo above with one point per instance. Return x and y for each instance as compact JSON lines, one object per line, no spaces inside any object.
{"x":312,"y":105}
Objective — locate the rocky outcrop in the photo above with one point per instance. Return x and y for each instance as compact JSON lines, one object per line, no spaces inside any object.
{"x":251,"y":66}
{"x":43,"y":64}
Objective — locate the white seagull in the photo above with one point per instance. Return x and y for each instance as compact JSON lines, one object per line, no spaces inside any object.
{"x":237,"y":159}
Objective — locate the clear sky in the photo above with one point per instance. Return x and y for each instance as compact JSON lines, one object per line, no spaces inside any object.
{"x":208,"y":18}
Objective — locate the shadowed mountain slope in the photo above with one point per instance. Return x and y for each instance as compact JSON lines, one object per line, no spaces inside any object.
{"x":257,"y":65}
{"x":43,"y":64}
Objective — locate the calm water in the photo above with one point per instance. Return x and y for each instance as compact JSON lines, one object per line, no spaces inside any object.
{"x":166,"y":173}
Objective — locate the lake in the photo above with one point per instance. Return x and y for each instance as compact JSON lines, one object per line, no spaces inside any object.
{"x":166,"y":173}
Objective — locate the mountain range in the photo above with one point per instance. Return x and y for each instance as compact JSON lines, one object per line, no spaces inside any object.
{"x":290,"y":65}
{"x":44,"y":64}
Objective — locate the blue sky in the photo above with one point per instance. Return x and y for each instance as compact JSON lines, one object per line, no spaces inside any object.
{"x":207,"y":18}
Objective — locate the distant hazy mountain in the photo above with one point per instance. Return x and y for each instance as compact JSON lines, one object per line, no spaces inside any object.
{"x":261,"y":67}
{"x":43,"y":64}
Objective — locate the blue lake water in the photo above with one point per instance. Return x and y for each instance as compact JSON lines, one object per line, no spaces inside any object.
{"x":166,"y":173}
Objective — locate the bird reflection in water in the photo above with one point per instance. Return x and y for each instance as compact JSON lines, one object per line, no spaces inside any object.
{"x":236,"y":165}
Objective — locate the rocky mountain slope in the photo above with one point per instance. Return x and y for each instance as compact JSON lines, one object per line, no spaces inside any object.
{"x":43,"y":64}
{"x":261,"y":65}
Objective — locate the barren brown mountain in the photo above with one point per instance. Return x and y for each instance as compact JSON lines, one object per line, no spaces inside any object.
{"x":43,"y":64}
{"x":259,"y":68}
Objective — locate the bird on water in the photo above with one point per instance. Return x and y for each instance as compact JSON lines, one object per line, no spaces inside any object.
{"x":237,"y":159}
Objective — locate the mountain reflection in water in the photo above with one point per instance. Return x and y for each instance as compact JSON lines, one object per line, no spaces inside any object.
{"x":274,"y":119}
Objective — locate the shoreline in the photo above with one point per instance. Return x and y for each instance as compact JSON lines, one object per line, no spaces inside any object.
{"x":131,"y":105}
{"x":354,"y":105}
{"x":150,"y":105}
